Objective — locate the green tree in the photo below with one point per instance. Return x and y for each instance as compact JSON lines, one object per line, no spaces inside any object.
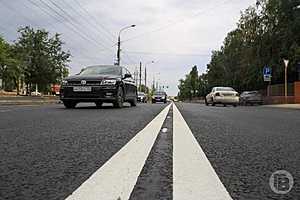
{"x":266,"y":33}
{"x":43,"y":59}
{"x":10,"y":67}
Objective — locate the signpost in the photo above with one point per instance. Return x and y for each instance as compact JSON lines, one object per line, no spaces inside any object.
{"x":267,"y":72}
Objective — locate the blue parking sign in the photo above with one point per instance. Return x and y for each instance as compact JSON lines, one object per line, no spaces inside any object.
{"x":267,"y":71}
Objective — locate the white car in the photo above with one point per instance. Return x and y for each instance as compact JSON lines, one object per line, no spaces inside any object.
{"x":222,"y":95}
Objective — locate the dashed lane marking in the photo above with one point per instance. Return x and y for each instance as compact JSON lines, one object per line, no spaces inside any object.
{"x":117,"y":177}
{"x":193,"y":176}
{"x":164,"y":130}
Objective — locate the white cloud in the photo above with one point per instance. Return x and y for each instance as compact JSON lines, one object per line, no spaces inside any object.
{"x":187,"y":27}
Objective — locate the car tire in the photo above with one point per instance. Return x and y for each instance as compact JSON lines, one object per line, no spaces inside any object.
{"x":206,"y":103}
{"x":119,"y":98}
{"x":99,"y":104}
{"x":234,"y":105}
{"x":224,"y":105}
{"x":133,"y":102}
{"x":213,"y":103}
{"x":69,"y":104}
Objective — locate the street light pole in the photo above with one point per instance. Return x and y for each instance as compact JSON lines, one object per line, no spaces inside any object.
{"x":286,"y":63}
{"x":140,"y":75}
{"x":119,"y":43}
{"x":146,"y":72}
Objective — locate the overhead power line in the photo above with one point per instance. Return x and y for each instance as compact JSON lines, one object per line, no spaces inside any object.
{"x":96,"y":21}
{"x":91,"y":26}
{"x":166,"y":53}
{"x":174,"y":22}
{"x":13,"y":10}
{"x":73,"y":30}
{"x":70,"y":21}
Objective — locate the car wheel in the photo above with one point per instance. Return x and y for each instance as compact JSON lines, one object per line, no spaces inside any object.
{"x":133,"y":102}
{"x":69,"y":104}
{"x":98,"y":104}
{"x":234,"y":105}
{"x":119,"y":99}
{"x":213,"y":103}
{"x":206,"y":103}
{"x":224,"y":105}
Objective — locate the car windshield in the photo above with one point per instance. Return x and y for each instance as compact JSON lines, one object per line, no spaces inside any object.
{"x":225,"y":89}
{"x":101,"y":70}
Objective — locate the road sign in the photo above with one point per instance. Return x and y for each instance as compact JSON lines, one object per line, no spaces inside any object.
{"x":267,"y":71}
{"x":267,"y":78}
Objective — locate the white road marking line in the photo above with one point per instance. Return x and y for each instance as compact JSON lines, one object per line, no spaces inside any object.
{"x":193,"y":176}
{"x":117,"y":177}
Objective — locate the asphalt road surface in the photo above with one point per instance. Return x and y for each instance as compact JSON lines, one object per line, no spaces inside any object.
{"x":183,"y":152}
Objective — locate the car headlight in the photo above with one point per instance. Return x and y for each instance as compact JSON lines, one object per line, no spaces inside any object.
{"x":64,"y":82}
{"x":108,"y":82}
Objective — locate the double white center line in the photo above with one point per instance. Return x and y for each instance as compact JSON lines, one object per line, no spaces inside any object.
{"x":115,"y":180}
{"x":193,"y":176}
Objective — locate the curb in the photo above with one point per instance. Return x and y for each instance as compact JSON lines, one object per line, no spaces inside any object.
{"x":4,"y":102}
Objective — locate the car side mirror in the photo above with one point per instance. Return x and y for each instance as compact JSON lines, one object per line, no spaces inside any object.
{"x":127,"y":76}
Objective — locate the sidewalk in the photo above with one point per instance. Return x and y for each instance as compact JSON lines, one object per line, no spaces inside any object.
{"x":291,"y":106}
{"x":28,"y":100}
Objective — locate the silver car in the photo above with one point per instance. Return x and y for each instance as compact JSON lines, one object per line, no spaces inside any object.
{"x":251,"y":97}
{"x":222,"y":95}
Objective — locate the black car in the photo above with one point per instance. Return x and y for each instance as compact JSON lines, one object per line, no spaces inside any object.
{"x":251,"y":97}
{"x":159,"y":97}
{"x":99,"y":84}
{"x":142,"y":97}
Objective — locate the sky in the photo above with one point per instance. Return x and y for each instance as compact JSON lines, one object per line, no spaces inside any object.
{"x":175,"y":34}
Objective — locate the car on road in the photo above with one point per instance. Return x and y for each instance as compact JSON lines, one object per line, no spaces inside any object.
{"x":36,"y":93}
{"x":222,"y":95}
{"x":99,"y":84}
{"x":142,"y":97}
{"x":251,"y":97}
{"x":159,"y":97}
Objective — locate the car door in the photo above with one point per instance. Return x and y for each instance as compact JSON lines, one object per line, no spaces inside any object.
{"x":210,"y":97}
{"x":132,"y":86}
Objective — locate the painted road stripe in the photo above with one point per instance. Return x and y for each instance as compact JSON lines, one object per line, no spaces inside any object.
{"x":115,"y":180}
{"x":193,"y":176}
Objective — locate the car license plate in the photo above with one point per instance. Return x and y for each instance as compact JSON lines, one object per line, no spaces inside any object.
{"x":82,"y":89}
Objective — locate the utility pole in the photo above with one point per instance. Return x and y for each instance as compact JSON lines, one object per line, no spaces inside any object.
{"x":140,"y":88}
{"x":145,"y":79}
{"x":153,"y":84}
{"x":119,"y":43}
{"x":119,"y":50}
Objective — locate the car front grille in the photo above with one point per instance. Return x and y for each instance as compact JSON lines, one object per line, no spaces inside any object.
{"x":88,"y":83}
